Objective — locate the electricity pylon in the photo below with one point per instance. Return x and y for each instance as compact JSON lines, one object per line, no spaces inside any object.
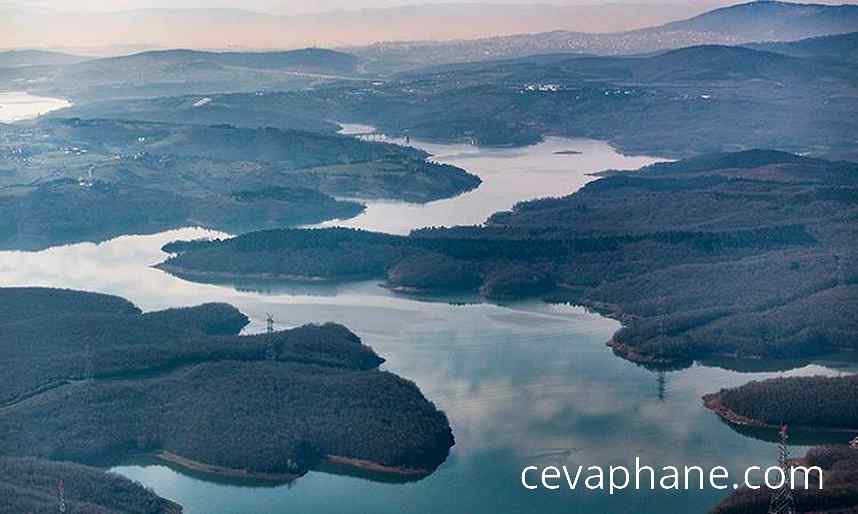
{"x":661,"y":381}
{"x":270,"y":351}
{"x":782,"y":501}
{"x":61,"y":497}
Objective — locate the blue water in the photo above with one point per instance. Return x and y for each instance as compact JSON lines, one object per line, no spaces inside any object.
{"x":523,"y":384}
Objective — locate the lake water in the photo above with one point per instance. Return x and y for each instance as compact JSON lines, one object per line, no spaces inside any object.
{"x":509,"y":175}
{"x":523,"y":384}
{"x":18,"y":106}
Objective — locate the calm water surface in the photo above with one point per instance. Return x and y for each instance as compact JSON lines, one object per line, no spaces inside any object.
{"x":18,"y":105}
{"x":523,"y":384}
{"x":509,"y":175}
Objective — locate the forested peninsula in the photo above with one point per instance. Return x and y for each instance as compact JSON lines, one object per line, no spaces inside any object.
{"x":839,"y":494}
{"x":747,"y":254}
{"x":71,"y":180}
{"x":99,"y":381}
{"x":35,"y":486}
{"x":814,"y":403}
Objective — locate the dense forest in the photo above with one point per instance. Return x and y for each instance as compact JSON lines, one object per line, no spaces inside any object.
{"x":743,"y":254}
{"x":810,"y":402}
{"x":839,"y":494}
{"x":71,"y":343}
{"x":32,"y":486}
{"x":677,"y":103}
{"x":59,"y":178}
{"x":98,"y":380}
{"x":263,"y":417}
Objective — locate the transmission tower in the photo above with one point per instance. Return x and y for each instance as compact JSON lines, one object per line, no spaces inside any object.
{"x":270,"y":351}
{"x":661,"y":380}
{"x":89,"y":366}
{"x":61,"y":497}
{"x":782,"y":501}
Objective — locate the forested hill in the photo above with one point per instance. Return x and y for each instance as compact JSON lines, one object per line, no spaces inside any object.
{"x":842,"y":47}
{"x":309,"y":60}
{"x":176,"y":71}
{"x":769,"y":20}
{"x":745,"y":254}
{"x":742,"y":23}
{"x":800,"y":402}
{"x":678,"y":103}
{"x":15,"y":58}
{"x":156,"y":176}
{"x":838,"y":494}
{"x":31,"y":486}
{"x":181,"y":382}
{"x":290,"y":148}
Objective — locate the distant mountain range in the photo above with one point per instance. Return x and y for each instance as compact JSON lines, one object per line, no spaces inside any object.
{"x":672,"y":103}
{"x":842,"y":47}
{"x":183,"y":72}
{"x":16,"y":58}
{"x":175,"y":72}
{"x":308,"y":60}
{"x":232,"y":29}
{"x":744,"y":23}
{"x":768,"y":20}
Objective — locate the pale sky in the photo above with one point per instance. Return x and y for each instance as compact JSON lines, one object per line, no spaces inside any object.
{"x":313,"y":6}
{"x":103,"y":27}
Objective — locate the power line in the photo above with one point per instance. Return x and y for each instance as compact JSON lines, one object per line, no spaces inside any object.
{"x":61,"y":497}
{"x":270,"y":350}
{"x":782,"y":501}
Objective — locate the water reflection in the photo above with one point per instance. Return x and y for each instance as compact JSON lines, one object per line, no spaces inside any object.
{"x":509,"y":175}
{"x":19,"y":105}
{"x":527,"y":383}
{"x":523,"y":384}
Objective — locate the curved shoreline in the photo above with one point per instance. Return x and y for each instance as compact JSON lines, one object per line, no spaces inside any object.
{"x":180,"y":271}
{"x":713,"y":402}
{"x":221,"y":471}
{"x":607,"y":310}
{"x":45,"y":105}
{"x":626,"y":352}
{"x":360,"y":465}
{"x":376,"y":467}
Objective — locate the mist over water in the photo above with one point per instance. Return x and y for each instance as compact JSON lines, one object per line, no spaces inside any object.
{"x":510,"y":175}
{"x":19,"y":106}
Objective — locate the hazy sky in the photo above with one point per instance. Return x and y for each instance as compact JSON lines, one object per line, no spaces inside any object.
{"x":96,"y":27}
{"x":309,"y":6}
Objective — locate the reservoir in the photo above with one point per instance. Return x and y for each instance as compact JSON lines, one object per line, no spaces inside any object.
{"x":18,"y":106}
{"x":523,"y":384}
{"x":509,"y":175}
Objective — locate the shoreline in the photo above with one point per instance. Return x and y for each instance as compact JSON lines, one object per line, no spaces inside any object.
{"x":180,"y":271}
{"x":348,"y":463}
{"x":607,"y":310}
{"x":221,"y":471}
{"x":626,"y":352}
{"x":713,"y":402}
{"x":46,"y":104}
{"x":375,"y":467}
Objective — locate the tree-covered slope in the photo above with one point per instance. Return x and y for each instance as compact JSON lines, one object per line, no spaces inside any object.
{"x":809,"y":402}
{"x":94,"y":383}
{"x":743,"y":254}
{"x":32,"y":486}
{"x":678,"y":103}
{"x":59,"y":179}
{"x":838,"y":494}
